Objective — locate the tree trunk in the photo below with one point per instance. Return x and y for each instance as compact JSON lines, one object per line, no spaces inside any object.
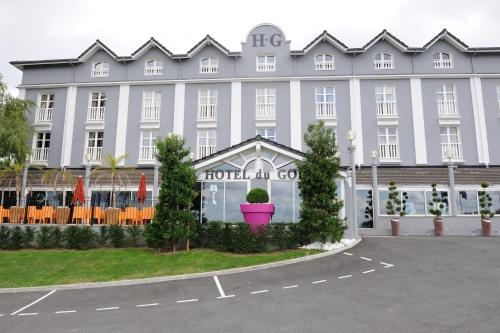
{"x":187,"y":243}
{"x":174,"y":247}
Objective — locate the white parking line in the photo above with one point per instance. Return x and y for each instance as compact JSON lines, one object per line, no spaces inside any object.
{"x":32,"y":303}
{"x":386,"y":265}
{"x":1,"y":314}
{"x":110,"y":308}
{"x":347,"y":253}
{"x":371,"y":270}
{"x":344,"y":277}
{"x":289,"y":287}
{"x":66,"y":311}
{"x":145,"y":305}
{"x":319,"y":281}
{"x":188,"y":300}
{"x":221,"y":291}
{"x":368,"y":259}
{"x":259,"y":291}
{"x":28,"y":314}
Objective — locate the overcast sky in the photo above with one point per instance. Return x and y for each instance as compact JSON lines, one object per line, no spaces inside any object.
{"x":47,"y":29}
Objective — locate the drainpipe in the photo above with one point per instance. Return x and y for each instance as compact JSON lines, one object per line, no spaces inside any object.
{"x":374,"y":189}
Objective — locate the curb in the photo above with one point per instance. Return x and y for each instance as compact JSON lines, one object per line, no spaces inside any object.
{"x":178,"y":277}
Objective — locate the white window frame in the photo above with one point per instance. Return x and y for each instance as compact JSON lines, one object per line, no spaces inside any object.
{"x":441,"y":62}
{"x":147,"y":152}
{"x":382,"y":209}
{"x":94,"y":152}
{"x":40,"y":154}
{"x":154,"y":70}
{"x":206,"y":149}
{"x":44,"y":114}
{"x":102,"y":71}
{"x":447,"y":107}
{"x":323,"y":64}
{"x":388,"y":151}
{"x":325,"y":110}
{"x":207,"y":104}
{"x":267,"y":65}
{"x":97,"y":113}
{"x":264,"y":132}
{"x":211,"y":67}
{"x":266,"y":110}
{"x":386,"y":60}
{"x":151,"y":110}
{"x":456,"y":147}
{"x":386,"y":107}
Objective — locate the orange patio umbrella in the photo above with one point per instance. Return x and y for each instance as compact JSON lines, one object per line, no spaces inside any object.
{"x":141,"y":192}
{"x":78,"y":194}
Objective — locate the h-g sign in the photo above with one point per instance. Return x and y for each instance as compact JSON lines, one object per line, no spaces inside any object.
{"x":260,"y":40}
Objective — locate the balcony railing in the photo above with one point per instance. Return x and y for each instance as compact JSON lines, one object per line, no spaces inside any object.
{"x":443,"y":63}
{"x":147,"y":153}
{"x":96,"y":113}
{"x":389,"y":151}
{"x":325,"y":65}
{"x":100,"y":72}
{"x":43,"y":115}
{"x":204,"y":151}
{"x":325,"y":110}
{"x":447,"y":108}
{"x":94,"y":154}
{"x":151,"y":112}
{"x":40,"y":154}
{"x":207,"y":111}
{"x":265,"y":67}
{"x":209,"y":69}
{"x":454,"y":148}
{"x":149,"y":71}
{"x":383,"y":64}
{"x":386,"y":108}
{"x":266,"y":111}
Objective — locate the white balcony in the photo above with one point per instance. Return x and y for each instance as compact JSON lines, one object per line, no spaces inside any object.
{"x":266,"y":67}
{"x":147,"y":153}
{"x":208,"y":69}
{"x":94,"y":154}
{"x":40,"y":155}
{"x":151,"y":71}
{"x":100,"y":72}
{"x":443,"y":63}
{"x":386,"y":109}
{"x":325,"y":110}
{"x":207,"y":111}
{"x":454,"y":148}
{"x":96,"y":113}
{"x":383,"y":64}
{"x":43,"y":115}
{"x":204,"y":151}
{"x":447,"y":109}
{"x":151,"y":112}
{"x":325,"y":65}
{"x":389,"y":151}
{"x":266,"y":111}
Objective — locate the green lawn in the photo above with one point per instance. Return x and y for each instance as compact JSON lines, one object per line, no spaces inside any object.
{"x":27,"y":268}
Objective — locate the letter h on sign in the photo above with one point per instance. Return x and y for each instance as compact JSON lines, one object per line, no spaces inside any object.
{"x":258,"y":38}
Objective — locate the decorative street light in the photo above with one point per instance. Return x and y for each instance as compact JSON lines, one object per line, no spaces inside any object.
{"x":87,"y":176}
{"x":374,"y":188}
{"x":351,"y":136}
{"x":451,"y":178}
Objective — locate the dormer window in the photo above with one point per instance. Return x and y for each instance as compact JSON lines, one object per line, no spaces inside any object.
{"x":383,"y":61}
{"x":209,"y":65}
{"x":442,"y":60}
{"x":266,"y":63}
{"x":324,"y":62}
{"x":100,"y":69}
{"x":153,"y":67}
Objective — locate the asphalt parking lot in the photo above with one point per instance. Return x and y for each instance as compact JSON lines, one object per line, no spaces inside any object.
{"x":420,"y":284}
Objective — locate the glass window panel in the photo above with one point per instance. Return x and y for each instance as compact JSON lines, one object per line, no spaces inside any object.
{"x":236,"y":193}
{"x":444,"y":200}
{"x":212,"y":196}
{"x":383,"y":195}
{"x":281,"y":196}
{"x":495,"y":197}
{"x":364,"y":202}
{"x":415,"y":203}
{"x":467,"y":202}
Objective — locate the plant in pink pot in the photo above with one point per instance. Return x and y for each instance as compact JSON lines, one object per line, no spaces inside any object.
{"x":258,"y":211}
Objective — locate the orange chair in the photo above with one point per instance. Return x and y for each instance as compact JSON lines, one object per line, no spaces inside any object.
{"x":113,"y":215}
{"x":62,"y":214}
{"x":33,"y":214}
{"x":4,"y":214}
{"x":47,"y":214}
{"x":16,"y":214}
{"x":99,"y":214}
{"x":130,"y":215}
{"x":147,"y":214}
{"x":80,"y":215}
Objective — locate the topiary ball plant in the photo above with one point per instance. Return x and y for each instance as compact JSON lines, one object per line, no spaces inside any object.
{"x":257,"y":195}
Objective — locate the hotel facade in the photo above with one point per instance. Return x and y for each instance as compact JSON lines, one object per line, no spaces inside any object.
{"x":418,"y":112}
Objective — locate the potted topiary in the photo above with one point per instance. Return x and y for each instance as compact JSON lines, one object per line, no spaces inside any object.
{"x":485,"y":203}
{"x":395,"y":207}
{"x":258,"y":211}
{"x":436,"y":209}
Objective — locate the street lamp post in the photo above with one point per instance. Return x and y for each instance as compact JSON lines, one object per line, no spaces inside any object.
{"x":451,"y":178}
{"x":351,"y":136}
{"x":374,"y":188}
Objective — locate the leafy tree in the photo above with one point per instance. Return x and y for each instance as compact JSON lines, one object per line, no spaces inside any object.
{"x":319,"y":216}
{"x":485,"y":203}
{"x":173,"y":220}
{"x":395,"y":206}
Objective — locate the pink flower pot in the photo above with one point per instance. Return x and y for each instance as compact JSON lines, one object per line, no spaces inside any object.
{"x":257,"y":214}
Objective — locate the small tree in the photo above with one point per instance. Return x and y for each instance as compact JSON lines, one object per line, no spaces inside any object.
{"x":173,"y":220}
{"x":485,"y":203}
{"x":395,"y":206}
{"x":319,"y":216}
{"x":436,"y":206}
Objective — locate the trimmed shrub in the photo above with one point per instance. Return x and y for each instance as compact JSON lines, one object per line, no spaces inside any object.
{"x":116,"y":235}
{"x":279,"y":235}
{"x":257,"y":195}
{"x":134,"y":233}
{"x":4,"y":237}
{"x":56,"y":237}
{"x":28,"y":237}
{"x":43,"y":237}
{"x":79,"y":238}
{"x":16,"y":238}
{"x":102,"y":237}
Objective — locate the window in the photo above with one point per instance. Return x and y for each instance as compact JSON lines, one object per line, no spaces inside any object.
{"x":100,"y":69}
{"x":266,"y":103}
{"x":450,"y":142}
{"x":209,"y":65}
{"x":153,"y":67}
{"x":443,"y":195}
{"x":207,"y":104}
{"x":266,"y":63}
{"x":151,"y":105}
{"x":97,"y":106}
{"x":383,"y":61}
{"x":442,"y":60}
{"x":446,"y":101}
{"x":498,"y":97}
{"x":206,"y":142}
{"x":41,"y":148}
{"x":467,"y":203}
{"x":417,"y":201}
{"x":267,"y":133}
{"x":388,"y":143}
{"x":324,"y":62}
{"x":385,"y":98}
{"x":325,"y":102}
{"x":148,"y":145}
{"x":364,"y":204}
{"x":45,"y":108}
{"x":93,"y":149}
